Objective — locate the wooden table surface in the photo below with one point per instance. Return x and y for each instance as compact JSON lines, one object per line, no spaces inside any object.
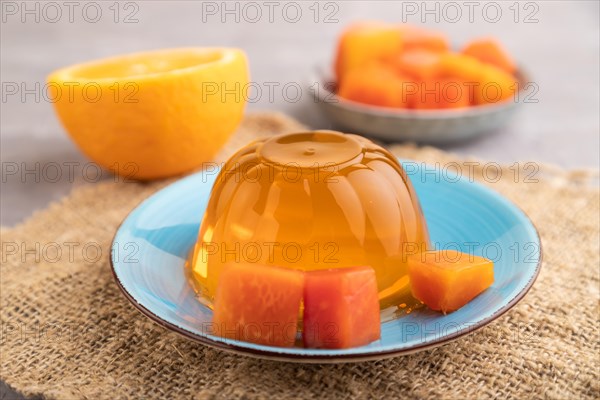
{"x":556,"y":41}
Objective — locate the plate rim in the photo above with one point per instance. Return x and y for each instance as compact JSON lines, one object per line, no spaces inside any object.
{"x":274,"y":354}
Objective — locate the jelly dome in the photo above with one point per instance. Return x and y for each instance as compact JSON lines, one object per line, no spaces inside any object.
{"x":311,"y":201}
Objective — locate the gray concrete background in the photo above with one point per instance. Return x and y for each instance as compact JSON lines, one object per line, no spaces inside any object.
{"x":556,"y":41}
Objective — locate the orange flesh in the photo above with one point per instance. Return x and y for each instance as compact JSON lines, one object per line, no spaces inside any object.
{"x":132,"y":66}
{"x":447,"y":280}
{"x":152,"y":117}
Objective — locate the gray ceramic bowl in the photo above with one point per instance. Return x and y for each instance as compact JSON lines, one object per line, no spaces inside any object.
{"x":423,"y":126}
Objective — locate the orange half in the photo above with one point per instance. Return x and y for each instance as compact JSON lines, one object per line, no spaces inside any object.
{"x":154,"y":114}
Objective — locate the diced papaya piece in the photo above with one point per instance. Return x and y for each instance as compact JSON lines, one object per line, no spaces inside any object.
{"x":374,"y":84}
{"x":341,"y":308}
{"x":421,"y":64}
{"x":494,"y":85}
{"x":447,"y":280}
{"x":466,"y":68}
{"x":485,"y":83}
{"x":258,"y":304}
{"x":442,"y":94}
{"x":416,"y":38}
{"x":363,"y":43}
{"x":489,"y":51}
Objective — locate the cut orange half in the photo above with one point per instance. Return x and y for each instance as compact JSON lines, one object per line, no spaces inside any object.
{"x":154,"y":114}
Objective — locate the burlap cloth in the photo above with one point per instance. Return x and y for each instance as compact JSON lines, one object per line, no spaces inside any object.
{"x":68,"y":332}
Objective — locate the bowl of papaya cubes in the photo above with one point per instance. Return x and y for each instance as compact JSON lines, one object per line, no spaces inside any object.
{"x":406,"y":83}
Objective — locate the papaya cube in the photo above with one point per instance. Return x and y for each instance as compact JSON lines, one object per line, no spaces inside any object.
{"x":466,"y":68}
{"x":374,"y":84}
{"x":258,"y":304}
{"x":442,"y":94}
{"x":486,"y":83}
{"x":447,"y":280}
{"x":489,"y":51}
{"x":420,"y":64}
{"x":495,"y":85}
{"x":341,"y":308}
{"x":416,"y":38}
{"x":363,"y":43}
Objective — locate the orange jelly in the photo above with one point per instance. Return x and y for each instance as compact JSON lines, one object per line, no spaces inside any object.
{"x":311,"y":201}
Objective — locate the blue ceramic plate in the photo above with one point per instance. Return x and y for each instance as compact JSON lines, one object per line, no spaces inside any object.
{"x":152,"y":244}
